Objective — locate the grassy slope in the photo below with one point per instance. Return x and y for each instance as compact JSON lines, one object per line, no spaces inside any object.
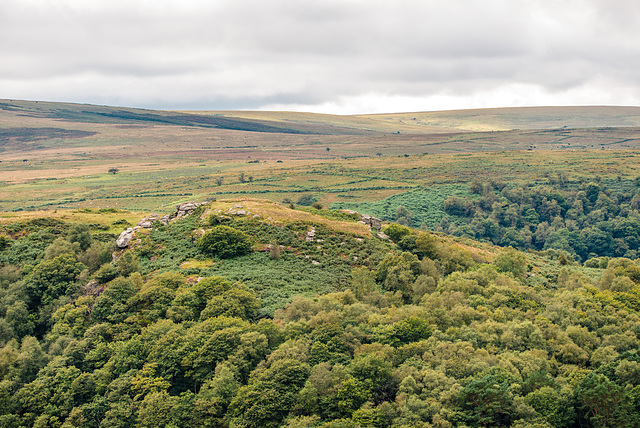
{"x":503,"y":119}
{"x":304,"y":267}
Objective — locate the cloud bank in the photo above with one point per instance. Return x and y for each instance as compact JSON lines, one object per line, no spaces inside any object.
{"x":346,"y":56}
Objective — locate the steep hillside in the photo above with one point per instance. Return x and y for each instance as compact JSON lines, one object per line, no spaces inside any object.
{"x":251,"y":313}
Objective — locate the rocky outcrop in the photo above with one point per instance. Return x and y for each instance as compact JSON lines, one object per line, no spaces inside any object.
{"x":372,"y":222}
{"x":148,"y":221}
{"x":182,"y":210}
{"x":238,"y":210}
{"x":186,"y":208}
{"x":125,"y":237}
{"x":382,"y":235}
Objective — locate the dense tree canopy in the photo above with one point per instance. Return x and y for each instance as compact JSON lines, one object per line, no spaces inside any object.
{"x":425,"y":332}
{"x":585,"y":219}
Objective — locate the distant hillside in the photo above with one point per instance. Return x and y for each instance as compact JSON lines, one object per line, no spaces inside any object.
{"x":504,"y":119}
{"x":472,"y":120}
{"x":488,"y":119}
{"x":74,"y":155}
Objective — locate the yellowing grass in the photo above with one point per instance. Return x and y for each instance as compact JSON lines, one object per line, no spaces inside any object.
{"x":196,"y":264}
{"x":281,"y":214}
{"x":75,"y":216}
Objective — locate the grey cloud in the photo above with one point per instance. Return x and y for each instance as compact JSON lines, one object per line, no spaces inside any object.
{"x":254,"y":53}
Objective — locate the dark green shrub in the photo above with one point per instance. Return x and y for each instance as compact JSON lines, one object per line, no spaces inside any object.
{"x":80,"y":233}
{"x":224,"y":242}
{"x":106,"y":273}
{"x":396,"y":231}
{"x":4,"y":242}
{"x":307,"y":200}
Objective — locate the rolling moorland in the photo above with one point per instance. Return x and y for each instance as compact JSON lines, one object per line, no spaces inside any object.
{"x":505,"y":291}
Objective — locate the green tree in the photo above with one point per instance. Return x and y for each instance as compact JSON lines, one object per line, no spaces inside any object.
{"x":592,"y":191}
{"x":605,"y":404}
{"x":404,"y":217}
{"x":156,"y":410}
{"x":553,"y":406}
{"x":399,"y":272}
{"x":351,"y":396}
{"x":127,"y":264}
{"x":397,"y":231}
{"x":411,"y":329}
{"x":214,"y":397}
{"x":238,"y":301}
{"x":224,"y":242}
{"x":80,"y":234}
{"x":53,"y":278}
{"x":512,"y":261}
{"x":487,"y":401}
{"x":267,"y":400}
{"x":18,"y":318}
{"x":112,"y":304}
{"x":190,"y":301}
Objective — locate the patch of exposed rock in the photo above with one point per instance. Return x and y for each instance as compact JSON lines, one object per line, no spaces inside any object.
{"x":311,"y":234}
{"x":372,"y":222}
{"x":238,"y":210}
{"x":182,"y":210}
{"x":186,"y":208}
{"x":125,"y":237}
{"x":93,"y":288}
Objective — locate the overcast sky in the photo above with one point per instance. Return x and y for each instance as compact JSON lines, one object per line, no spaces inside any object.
{"x":329,"y":56}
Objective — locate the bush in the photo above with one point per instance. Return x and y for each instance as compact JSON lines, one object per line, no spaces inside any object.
{"x":454,"y":205}
{"x":4,"y":242}
{"x":307,"y":200}
{"x":512,"y":261}
{"x":396,"y":231}
{"x":106,"y":273}
{"x":224,"y":242}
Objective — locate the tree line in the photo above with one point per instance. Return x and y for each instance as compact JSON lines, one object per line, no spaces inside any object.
{"x":587,"y":220}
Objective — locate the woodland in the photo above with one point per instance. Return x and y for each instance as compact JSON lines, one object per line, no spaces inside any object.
{"x":344,"y":330}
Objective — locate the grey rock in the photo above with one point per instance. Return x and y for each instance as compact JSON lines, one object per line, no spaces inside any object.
{"x":372,"y":222}
{"x":125,"y":237}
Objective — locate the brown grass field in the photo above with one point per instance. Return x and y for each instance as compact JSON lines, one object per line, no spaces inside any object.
{"x":56,"y":155}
